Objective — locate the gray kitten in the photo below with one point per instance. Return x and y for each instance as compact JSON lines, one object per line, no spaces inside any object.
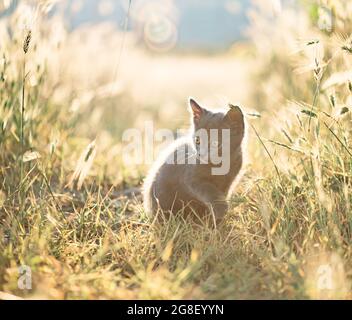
{"x":195,"y":175}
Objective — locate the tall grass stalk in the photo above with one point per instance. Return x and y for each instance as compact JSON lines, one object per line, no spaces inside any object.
{"x":26,"y":44}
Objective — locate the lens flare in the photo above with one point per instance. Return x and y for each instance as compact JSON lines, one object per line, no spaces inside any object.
{"x":160,"y":33}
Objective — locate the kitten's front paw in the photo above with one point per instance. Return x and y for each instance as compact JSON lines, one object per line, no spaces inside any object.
{"x":219,"y":208}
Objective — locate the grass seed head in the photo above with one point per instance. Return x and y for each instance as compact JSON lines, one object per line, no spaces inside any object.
{"x":27,"y":41}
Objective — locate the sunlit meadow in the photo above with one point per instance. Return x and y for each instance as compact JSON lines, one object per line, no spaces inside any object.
{"x":70,"y":207}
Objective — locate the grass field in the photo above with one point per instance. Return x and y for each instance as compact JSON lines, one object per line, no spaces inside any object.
{"x":64,"y":210}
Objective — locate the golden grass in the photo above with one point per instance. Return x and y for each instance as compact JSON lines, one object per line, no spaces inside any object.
{"x":288,"y":231}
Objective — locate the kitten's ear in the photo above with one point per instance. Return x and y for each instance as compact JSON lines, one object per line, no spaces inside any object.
{"x":235,"y":114}
{"x":197,"y":110}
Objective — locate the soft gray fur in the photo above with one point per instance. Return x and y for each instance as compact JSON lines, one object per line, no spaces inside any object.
{"x":191,"y":188}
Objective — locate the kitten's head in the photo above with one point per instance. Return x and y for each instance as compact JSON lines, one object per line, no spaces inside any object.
{"x":216,"y":133}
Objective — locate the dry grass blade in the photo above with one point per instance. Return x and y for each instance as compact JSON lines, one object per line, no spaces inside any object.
{"x":267,"y":151}
{"x":83,"y":166}
{"x":338,"y":139}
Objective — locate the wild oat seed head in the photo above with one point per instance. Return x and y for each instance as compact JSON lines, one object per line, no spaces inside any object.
{"x":27,"y":41}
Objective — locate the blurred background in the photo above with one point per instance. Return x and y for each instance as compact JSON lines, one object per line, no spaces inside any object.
{"x":208,"y":25}
{"x":112,"y":65}
{"x":116,"y":64}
